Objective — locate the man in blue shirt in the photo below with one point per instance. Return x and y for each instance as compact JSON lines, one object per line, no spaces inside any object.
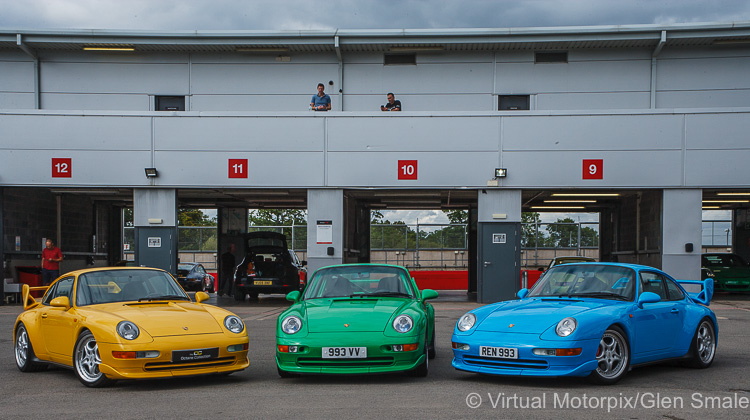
{"x":321,"y":101}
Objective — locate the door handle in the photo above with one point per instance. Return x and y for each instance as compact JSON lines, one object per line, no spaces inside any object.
{"x":44,"y":315}
{"x":486,"y":263}
{"x":675,"y":310}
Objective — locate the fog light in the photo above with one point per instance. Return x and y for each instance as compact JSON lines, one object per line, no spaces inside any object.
{"x":293,"y":349}
{"x":398,"y":347}
{"x":237,"y":347}
{"x":460,"y":346}
{"x":150,"y":354}
{"x":544,"y":352}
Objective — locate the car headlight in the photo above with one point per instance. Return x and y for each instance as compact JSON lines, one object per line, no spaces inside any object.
{"x":291,"y":324}
{"x":466,"y":322}
{"x":128,"y":330}
{"x":403,"y":323}
{"x":566,"y":327}
{"x":234,"y":324}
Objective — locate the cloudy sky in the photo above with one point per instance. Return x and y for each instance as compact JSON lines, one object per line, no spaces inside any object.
{"x":358,"y":14}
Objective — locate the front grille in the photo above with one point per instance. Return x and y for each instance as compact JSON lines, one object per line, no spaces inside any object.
{"x":320,"y":362}
{"x":222,"y":361}
{"x":506,"y":363}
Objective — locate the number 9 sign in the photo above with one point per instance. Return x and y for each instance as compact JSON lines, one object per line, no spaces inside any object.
{"x":593,"y":169}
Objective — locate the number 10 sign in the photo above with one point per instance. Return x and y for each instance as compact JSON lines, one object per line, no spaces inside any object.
{"x":593,"y":169}
{"x":407,"y":169}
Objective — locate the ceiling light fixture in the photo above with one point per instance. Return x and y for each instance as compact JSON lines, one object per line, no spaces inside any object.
{"x":105,"y":48}
{"x":557,"y":207}
{"x":726,"y":201}
{"x":585,"y":195}
{"x":570,"y":201}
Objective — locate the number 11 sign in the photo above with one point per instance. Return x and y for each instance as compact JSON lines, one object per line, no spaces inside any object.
{"x":237,"y":168}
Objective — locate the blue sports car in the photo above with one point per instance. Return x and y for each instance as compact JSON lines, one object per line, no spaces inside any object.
{"x":590,"y":319}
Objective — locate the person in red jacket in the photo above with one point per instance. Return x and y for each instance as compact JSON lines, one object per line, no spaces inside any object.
{"x":51,"y":257}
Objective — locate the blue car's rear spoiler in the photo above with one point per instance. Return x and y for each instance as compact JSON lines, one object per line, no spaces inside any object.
{"x":700,"y":291}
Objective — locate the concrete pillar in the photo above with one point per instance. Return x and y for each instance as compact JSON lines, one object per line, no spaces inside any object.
{"x":155,"y":220}
{"x":498,"y":245}
{"x":681,"y":231}
{"x":325,"y":228}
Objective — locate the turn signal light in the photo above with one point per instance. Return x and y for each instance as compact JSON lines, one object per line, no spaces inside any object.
{"x":568,"y":352}
{"x":123,"y":354}
{"x":289,"y":349}
{"x":460,"y":346}
{"x":411,"y":347}
{"x":283,"y":349}
{"x":151,"y":354}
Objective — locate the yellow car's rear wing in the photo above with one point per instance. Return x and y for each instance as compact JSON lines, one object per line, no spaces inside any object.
{"x":28,"y":300}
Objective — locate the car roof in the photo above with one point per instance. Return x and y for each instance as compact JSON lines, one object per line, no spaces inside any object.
{"x":99,"y":269}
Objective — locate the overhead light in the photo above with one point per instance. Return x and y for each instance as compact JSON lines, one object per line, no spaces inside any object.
{"x":734,"y":193}
{"x":108,"y":48}
{"x":570,"y":201}
{"x":262,"y":49}
{"x":726,"y":201}
{"x":416,"y":49}
{"x":585,"y":195}
{"x":501,"y":172}
{"x":710,"y":207}
{"x":558,"y":207}
{"x":151,"y":172}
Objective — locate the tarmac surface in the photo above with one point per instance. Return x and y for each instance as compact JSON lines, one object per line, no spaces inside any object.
{"x":657,"y":391}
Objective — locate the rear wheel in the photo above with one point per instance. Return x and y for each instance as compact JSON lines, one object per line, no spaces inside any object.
{"x":612,"y":356}
{"x":25,"y":353}
{"x":703,"y":346}
{"x":86,"y":362}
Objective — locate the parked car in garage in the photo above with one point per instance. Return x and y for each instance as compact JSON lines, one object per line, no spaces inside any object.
{"x":730,"y":272}
{"x":193,"y":276}
{"x":268,"y":267}
{"x":569,"y":260}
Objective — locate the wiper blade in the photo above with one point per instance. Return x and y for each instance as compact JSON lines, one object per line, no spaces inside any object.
{"x":602,"y":295}
{"x":389,"y":294}
{"x":165,"y":297}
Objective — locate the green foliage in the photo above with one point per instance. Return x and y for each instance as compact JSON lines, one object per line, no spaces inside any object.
{"x":277,"y":217}
{"x":194,"y":217}
{"x":457,"y":216}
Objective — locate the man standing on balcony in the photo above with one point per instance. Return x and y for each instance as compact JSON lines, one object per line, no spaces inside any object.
{"x":320,"y":101}
{"x":226,"y":272}
{"x":51,"y":257}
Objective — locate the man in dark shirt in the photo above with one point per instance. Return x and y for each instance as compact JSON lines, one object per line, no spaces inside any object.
{"x":227,"y":271}
{"x":392,"y":105}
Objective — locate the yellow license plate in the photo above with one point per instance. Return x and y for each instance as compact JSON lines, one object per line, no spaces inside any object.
{"x":262,"y":282}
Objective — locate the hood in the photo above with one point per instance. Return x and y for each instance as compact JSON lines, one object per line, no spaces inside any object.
{"x":362,"y":315}
{"x":160,"y":319}
{"x":534,"y":316}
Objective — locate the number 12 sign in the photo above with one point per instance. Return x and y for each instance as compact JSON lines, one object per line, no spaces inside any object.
{"x":62,"y":167}
{"x":237,"y":168}
{"x":593,"y":169}
{"x":407,"y":169}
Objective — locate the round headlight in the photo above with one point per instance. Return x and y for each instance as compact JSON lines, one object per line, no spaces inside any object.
{"x":234,"y":324}
{"x":128,"y":330}
{"x":403,"y":323}
{"x":566,"y":327}
{"x":291,"y":324}
{"x":466,"y":322}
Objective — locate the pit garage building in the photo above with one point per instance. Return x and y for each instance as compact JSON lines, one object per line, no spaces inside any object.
{"x":651,"y":121}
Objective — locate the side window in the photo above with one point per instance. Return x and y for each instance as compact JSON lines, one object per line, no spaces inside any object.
{"x":201,"y":270}
{"x":674,"y":291}
{"x":652,"y":282}
{"x":63,"y":287}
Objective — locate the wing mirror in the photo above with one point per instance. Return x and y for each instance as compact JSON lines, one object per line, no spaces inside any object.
{"x":428,"y":294}
{"x":522,"y":293}
{"x":293,"y":296}
{"x":648,"y":297}
{"x":60,"y":302}
{"x":201,"y":296}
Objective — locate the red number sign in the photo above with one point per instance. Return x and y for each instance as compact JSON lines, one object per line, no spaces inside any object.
{"x":62,"y":167}
{"x":407,"y":169}
{"x":238,"y":168}
{"x":593,"y":169}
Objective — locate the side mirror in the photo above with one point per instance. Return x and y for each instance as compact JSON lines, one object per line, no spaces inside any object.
{"x":648,"y":297}
{"x":293,"y":296}
{"x":60,"y":302}
{"x":522,"y":293}
{"x":541,"y":270}
{"x":428,"y":294}
{"x":303,"y":262}
{"x":201,"y":296}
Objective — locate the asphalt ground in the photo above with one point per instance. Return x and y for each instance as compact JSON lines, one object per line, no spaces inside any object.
{"x":658,"y":391}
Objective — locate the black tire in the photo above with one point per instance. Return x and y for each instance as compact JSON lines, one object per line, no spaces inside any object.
{"x":253,"y":295}
{"x":703,"y":345}
{"x":422,"y":370}
{"x":24,"y":352}
{"x":284,"y":374}
{"x":613,"y":356}
{"x":431,"y":353}
{"x":203,"y":287}
{"x":239,"y":294}
{"x":86,"y":362}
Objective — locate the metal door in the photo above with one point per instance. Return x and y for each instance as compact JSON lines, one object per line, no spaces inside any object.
{"x":498,"y":261}
{"x":156,"y":247}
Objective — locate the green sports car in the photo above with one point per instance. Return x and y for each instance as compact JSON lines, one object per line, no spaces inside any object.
{"x":354,"y":319}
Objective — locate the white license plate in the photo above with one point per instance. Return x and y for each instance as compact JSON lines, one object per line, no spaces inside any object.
{"x":344,"y":352}
{"x":498,"y":352}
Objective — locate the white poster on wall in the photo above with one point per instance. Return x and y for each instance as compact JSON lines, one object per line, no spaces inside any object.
{"x":324,"y":232}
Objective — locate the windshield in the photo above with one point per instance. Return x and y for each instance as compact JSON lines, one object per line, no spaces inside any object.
{"x":581,"y":280}
{"x":185,"y":267}
{"x":359,"y":281}
{"x":126,"y":285}
{"x":723,"y":260}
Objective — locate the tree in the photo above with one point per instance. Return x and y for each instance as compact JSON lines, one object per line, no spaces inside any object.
{"x":194,"y":217}
{"x":457,"y":216}
{"x":529,"y":233}
{"x":277,"y":217}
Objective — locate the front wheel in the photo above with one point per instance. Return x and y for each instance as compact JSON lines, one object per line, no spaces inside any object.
{"x":431,"y":353}
{"x":703,"y":346}
{"x":422,"y":370}
{"x":612,"y":357}
{"x":86,"y":362}
{"x":25,"y":352}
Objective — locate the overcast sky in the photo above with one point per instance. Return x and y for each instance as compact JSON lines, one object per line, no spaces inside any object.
{"x":357,"y":14}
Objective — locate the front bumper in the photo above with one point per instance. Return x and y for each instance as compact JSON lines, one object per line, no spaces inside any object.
{"x":380,"y":356}
{"x":163,"y":367}
{"x":527,"y":364}
{"x":732,"y":285}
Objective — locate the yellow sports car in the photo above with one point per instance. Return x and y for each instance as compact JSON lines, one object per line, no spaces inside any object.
{"x":126,"y":323}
